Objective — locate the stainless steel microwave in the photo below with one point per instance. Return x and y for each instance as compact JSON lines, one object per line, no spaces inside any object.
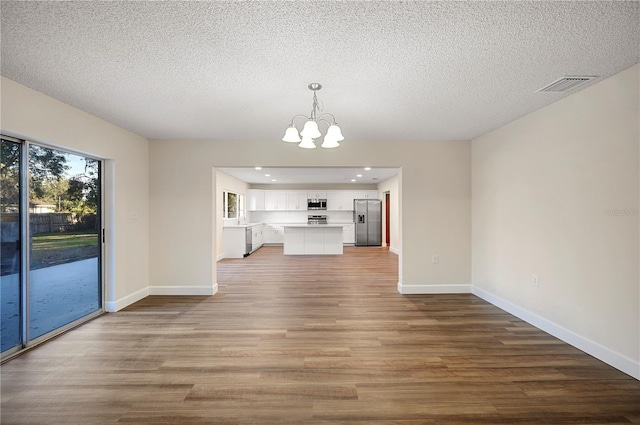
{"x":316,"y":204}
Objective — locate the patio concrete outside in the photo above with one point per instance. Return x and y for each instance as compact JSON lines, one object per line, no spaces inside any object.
{"x":58,"y":295}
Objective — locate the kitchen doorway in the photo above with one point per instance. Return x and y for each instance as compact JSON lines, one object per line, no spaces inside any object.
{"x":387,"y":218}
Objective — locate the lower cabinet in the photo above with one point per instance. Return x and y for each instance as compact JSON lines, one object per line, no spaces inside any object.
{"x":349,"y":234}
{"x":234,"y":239}
{"x":234,"y":242}
{"x":257,"y":236}
{"x":295,"y":241}
{"x":313,"y":240}
{"x":274,"y":234}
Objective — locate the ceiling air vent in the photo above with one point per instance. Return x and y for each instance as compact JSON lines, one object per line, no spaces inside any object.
{"x":567,"y":83}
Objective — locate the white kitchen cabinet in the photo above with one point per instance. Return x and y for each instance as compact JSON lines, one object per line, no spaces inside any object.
{"x":294,"y":241}
{"x":313,"y":240}
{"x":365,"y":194}
{"x":340,"y":200}
{"x":274,"y":234}
{"x":275,"y":200}
{"x":296,"y":200}
{"x":317,"y":194}
{"x":332,"y":242}
{"x":257,"y":236}
{"x":333,"y":200}
{"x":346,"y":200}
{"x":255,"y":198}
{"x":234,"y":241}
{"x":349,"y":234}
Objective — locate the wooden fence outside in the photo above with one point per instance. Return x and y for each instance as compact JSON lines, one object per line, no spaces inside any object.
{"x":54,"y":222}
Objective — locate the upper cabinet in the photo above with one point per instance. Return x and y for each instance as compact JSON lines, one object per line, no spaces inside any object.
{"x":340,"y":200}
{"x":275,"y":200}
{"x":365,"y":194}
{"x":317,"y":194}
{"x":255,"y":200}
{"x":296,"y":200}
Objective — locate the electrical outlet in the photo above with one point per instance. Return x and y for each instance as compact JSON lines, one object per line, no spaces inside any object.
{"x":435,"y":259}
{"x":534,"y":280}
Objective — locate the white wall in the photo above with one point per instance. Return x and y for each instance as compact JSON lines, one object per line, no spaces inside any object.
{"x":226,"y":183}
{"x":391,"y":185}
{"x":556,"y":193}
{"x":289,"y":217}
{"x":34,"y":116}
{"x":436,"y":194}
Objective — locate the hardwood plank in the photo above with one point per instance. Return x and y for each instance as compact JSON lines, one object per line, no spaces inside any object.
{"x":313,"y":340}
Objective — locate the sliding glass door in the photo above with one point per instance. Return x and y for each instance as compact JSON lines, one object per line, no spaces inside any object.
{"x":54,"y":279}
{"x":11,"y":254}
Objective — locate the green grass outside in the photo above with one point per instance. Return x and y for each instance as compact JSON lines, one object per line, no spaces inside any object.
{"x":55,"y":241}
{"x":59,"y":248}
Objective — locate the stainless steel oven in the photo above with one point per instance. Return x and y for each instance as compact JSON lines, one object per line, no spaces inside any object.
{"x":316,"y":219}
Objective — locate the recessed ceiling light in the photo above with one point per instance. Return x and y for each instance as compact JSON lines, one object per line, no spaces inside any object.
{"x":267,"y":175}
{"x":273,"y":180}
{"x":353,"y":180}
{"x":258,"y":168}
{"x":367,"y":168}
{"x":359,"y":175}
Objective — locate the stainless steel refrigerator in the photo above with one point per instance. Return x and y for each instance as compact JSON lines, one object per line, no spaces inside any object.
{"x":367,"y":214}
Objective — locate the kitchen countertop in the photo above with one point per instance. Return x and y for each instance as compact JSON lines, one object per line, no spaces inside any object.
{"x":314,"y":225}
{"x":242,"y":225}
{"x":245,"y":225}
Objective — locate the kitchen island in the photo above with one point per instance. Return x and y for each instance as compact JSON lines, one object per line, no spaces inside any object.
{"x":313,"y":239}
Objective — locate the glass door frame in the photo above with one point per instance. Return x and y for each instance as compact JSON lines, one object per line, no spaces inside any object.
{"x":24,"y":278}
{"x":22,"y":196}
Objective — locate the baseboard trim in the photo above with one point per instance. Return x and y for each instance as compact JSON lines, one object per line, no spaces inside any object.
{"x":220,"y":257}
{"x":620,"y":362}
{"x":433,"y":289}
{"x":394,"y":250}
{"x":113,"y":306}
{"x":183,"y":290}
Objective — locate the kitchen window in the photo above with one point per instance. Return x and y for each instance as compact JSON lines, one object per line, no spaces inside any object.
{"x":232,"y":205}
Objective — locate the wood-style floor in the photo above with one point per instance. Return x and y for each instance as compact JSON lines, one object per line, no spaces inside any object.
{"x":311,"y":340}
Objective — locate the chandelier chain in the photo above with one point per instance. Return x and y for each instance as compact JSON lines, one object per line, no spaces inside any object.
{"x":315,"y":107}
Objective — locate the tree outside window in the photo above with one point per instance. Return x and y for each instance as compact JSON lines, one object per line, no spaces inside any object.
{"x":232,"y":205}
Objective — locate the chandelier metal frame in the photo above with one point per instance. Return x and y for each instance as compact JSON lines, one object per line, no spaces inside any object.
{"x":310,"y":131}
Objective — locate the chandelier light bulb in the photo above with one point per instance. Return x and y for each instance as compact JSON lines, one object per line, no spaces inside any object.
{"x":334,"y":133}
{"x":307,"y":143}
{"x":291,"y":135}
{"x":310,"y":130}
{"x":329,"y":143}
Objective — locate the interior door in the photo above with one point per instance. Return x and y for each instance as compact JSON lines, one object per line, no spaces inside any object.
{"x":387,"y":220}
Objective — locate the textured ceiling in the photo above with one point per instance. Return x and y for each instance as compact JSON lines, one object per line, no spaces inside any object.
{"x":240,"y":70}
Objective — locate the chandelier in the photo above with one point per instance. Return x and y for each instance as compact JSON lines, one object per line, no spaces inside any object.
{"x":310,"y":130}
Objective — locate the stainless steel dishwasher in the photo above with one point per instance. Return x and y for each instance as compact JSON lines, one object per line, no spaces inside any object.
{"x":248,"y":241}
